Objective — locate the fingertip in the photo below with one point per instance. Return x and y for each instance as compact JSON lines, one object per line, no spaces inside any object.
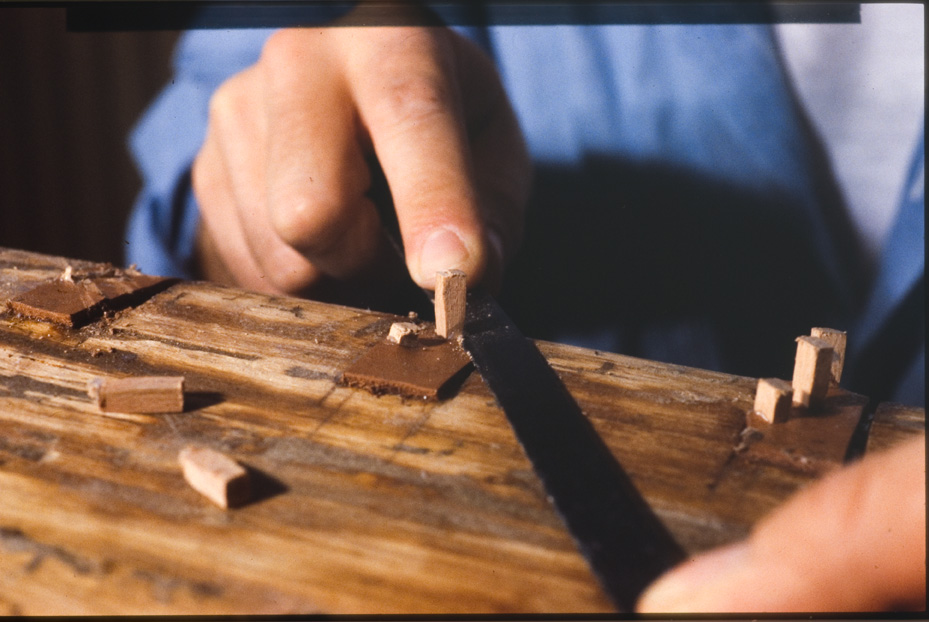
{"x":446,"y":249}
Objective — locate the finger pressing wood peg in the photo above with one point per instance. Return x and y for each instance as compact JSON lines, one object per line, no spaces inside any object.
{"x":145,"y":394}
{"x":403,"y":333}
{"x":837,"y":339}
{"x":216,"y":476}
{"x":812,"y":371}
{"x":450,"y":295}
{"x":773,"y":400}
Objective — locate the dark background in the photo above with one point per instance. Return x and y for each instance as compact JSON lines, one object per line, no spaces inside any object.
{"x":67,"y":103}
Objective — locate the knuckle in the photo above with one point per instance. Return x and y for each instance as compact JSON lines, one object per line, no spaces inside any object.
{"x":282,"y":46}
{"x":220,"y":103}
{"x":229,"y":107}
{"x":224,"y":101}
{"x":311,"y":223}
{"x":203,"y":180}
{"x":288,"y":53}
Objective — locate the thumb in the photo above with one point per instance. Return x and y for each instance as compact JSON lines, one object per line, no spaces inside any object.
{"x":855,"y":541}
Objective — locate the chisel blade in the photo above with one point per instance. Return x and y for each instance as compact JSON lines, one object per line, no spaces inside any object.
{"x":624,"y":542}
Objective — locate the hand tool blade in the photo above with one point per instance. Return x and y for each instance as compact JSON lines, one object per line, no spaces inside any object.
{"x":624,"y":542}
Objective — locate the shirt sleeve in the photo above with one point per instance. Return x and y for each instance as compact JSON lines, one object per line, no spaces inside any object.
{"x":164,"y":219}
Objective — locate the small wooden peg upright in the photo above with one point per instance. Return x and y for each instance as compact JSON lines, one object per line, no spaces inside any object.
{"x":773,"y":399}
{"x":837,"y":339}
{"x":812,"y":371}
{"x":450,"y":296}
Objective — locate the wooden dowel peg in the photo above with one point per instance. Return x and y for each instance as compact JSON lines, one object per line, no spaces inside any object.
{"x":450,"y":296}
{"x":216,"y":476}
{"x":773,"y":400}
{"x":812,"y":371}
{"x":144,"y":394}
{"x":837,"y":339}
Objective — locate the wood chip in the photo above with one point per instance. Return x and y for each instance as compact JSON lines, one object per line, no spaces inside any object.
{"x":773,"y":400}
{"x":146,"y":394}
{"x":403,"y":333}
{"x":63,"y":302}
{"x":216,"y":476}
{"x":428,"y":370}
{"x":130,"y":289}
{"x":450,"y":296}
{"x":812,"y":371}
{"x":74,"y":303}
{"x":837,"y":339}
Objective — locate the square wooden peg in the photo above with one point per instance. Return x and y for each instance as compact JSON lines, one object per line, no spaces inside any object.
{"x":773,"y":400}
{"x":450,"y":296}
{"x":812,"y":371}
{"x":144,"y":394}
{"x":216,"y":476}
{"x":837,"y":339}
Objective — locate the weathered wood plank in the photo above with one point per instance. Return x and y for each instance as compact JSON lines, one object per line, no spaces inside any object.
{"x":363,"y":504}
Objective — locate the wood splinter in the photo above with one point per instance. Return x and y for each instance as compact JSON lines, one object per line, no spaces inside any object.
{"x":450,"y":297}
{"x":773,"y":400}
{"x":216,"y":476}
{"x":812,"y":371}
{"x":837,"y":339}
{"x":147,"y":394}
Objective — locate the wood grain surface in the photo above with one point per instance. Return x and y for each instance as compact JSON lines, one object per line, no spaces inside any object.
{"x":362,"y":504}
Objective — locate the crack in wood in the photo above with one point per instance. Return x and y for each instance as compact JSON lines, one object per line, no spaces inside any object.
{"x":164,"y":586}
{"x":28,"y":452}
{"x":307,"y":374}
{"x":15,"y":541}
{"x":411,"y":431}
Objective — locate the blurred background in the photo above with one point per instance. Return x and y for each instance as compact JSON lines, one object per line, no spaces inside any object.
{"x":67,"y":103}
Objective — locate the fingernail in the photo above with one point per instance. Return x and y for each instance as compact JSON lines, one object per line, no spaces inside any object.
{"x":699,"y":586}
{"x":442,"y":250}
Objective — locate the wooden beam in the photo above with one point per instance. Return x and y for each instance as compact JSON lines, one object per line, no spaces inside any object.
{"x":347,"y":481}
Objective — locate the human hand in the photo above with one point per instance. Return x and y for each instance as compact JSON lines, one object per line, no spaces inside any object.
{"x":855,"y":541}
{"x":282,"y":177}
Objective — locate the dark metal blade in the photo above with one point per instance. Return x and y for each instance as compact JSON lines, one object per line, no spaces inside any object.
{"x":625,"y":544}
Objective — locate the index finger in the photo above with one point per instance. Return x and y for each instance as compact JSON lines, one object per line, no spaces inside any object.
{"x":409,"y":101}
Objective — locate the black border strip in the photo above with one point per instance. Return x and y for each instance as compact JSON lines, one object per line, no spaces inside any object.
{"x":123,"y":15}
